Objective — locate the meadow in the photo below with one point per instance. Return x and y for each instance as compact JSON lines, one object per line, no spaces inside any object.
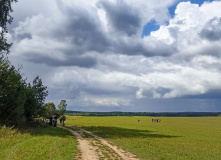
{"x":195,"y":138}
{"x":37,"y":143}
{"x":179,"y":138}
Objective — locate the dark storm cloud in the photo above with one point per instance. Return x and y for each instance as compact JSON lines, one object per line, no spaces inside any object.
{"x":121,"y":16}
{"x":110,"y":91}
{"x":23,"y":36}
{"x":137,"y":48}
{"x":85,"y":62}
{"x":212,"y":30}
{"x":86,"y":33}
{"x":83,"y":29}
{"x":212,"y":94}
{"x":162,"y":91}
{"x":65,"y":93}
{"x":177,"y":105}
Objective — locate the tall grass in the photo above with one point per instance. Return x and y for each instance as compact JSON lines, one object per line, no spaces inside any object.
{"x":173,"y":138}
{"x":39,"y":143}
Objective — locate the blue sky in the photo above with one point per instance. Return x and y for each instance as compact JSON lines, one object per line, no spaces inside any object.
{"x":153,"y":26}
{"x":99,"y":55}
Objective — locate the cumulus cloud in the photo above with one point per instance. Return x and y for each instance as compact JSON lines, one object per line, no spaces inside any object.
{"x":212,"y":30}
{"x":96,"y":56}
{"x":121,"y":16}
{"x":99,"y":26}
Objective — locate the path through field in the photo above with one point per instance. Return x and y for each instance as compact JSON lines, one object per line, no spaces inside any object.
{"x":92,"y":147}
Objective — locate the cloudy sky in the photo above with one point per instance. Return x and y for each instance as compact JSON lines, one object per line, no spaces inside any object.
{"x":122,"y":55}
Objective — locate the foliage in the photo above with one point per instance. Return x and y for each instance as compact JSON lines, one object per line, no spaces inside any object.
{"x":5,"y":9}
{"x":41,"y":92}
{"x":12,"y":93}
{"x":19,"y":102}
{"x":37,"y":143}
{"x":62,"y":107}
{"x":49,"y":109}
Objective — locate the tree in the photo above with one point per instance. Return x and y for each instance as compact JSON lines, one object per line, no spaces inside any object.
{"x":48,"y":110}
{"x":41,"y":92}
{"x":31,"y":103}
{"x":12,"y":93}
{"x":62,"y":107}
{"x":19,"y":102}
{"x":5,"y":18}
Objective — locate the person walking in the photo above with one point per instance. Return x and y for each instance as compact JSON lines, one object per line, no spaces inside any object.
{"x":55,"y":121}
{"x":63,"y":119}
{"x":51,"y":120}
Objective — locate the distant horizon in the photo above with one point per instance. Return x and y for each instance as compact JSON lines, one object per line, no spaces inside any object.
{"x":147,"y":112}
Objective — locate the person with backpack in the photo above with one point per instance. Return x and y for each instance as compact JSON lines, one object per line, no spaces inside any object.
{"x":55,"y":121}
{"x":63,"y":119}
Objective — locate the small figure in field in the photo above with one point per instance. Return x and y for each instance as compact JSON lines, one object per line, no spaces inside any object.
{"x":138,"y":121}
{"x":157,"y":120}
{"x":61,"y":119}
{"x":152,"y":120}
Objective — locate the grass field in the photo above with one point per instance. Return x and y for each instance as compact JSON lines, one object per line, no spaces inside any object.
{"x":184,"y":138}
{"x":45,"y":143}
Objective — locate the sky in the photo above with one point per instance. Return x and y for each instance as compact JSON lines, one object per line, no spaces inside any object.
{"x":122,"y":55}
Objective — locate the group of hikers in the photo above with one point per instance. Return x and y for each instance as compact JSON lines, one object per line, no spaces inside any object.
{"x":156,"y":120}
{"x":53,"y":120}
{"x":153,"y":120}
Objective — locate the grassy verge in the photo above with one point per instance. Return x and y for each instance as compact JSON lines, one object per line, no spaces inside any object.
{"x":173,"y":138}
{"x":41,"y":143}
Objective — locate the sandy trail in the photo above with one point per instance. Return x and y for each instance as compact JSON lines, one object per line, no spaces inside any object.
{"x":92,"y":147}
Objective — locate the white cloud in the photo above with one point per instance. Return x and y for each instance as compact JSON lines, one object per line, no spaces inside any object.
{"x":139,"y":94}
{"x":87,"y":58}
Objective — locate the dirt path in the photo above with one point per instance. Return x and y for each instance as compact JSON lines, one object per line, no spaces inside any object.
{"x":92,"y":147}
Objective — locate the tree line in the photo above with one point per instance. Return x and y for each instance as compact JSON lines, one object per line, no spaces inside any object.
{"x":20,"y":102}
{"x":152,"y":114}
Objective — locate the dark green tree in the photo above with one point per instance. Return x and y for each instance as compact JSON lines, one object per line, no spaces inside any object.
{"x":19,"y":102}
{"x":5,"y":18}
{"x":41,"y":93}
{"x":12,"y":93}
{"x":31,"y":103}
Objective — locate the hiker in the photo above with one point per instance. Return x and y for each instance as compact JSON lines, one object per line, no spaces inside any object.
{"x":50,"y":122}
{"x":55,"y":121}
{"x":63,"y":119}
{"x":138,"y":121}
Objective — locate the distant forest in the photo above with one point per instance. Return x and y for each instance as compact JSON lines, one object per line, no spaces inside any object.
{"x":151,"y":114}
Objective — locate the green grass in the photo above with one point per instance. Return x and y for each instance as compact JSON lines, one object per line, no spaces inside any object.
{"x":197,"y":138}
{"x":41,"y":143}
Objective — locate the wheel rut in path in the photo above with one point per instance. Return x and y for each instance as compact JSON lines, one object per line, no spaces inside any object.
{"x":93,"y":147}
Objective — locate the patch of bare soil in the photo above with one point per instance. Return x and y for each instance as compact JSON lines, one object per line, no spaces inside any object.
{"x":92,"y":147}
